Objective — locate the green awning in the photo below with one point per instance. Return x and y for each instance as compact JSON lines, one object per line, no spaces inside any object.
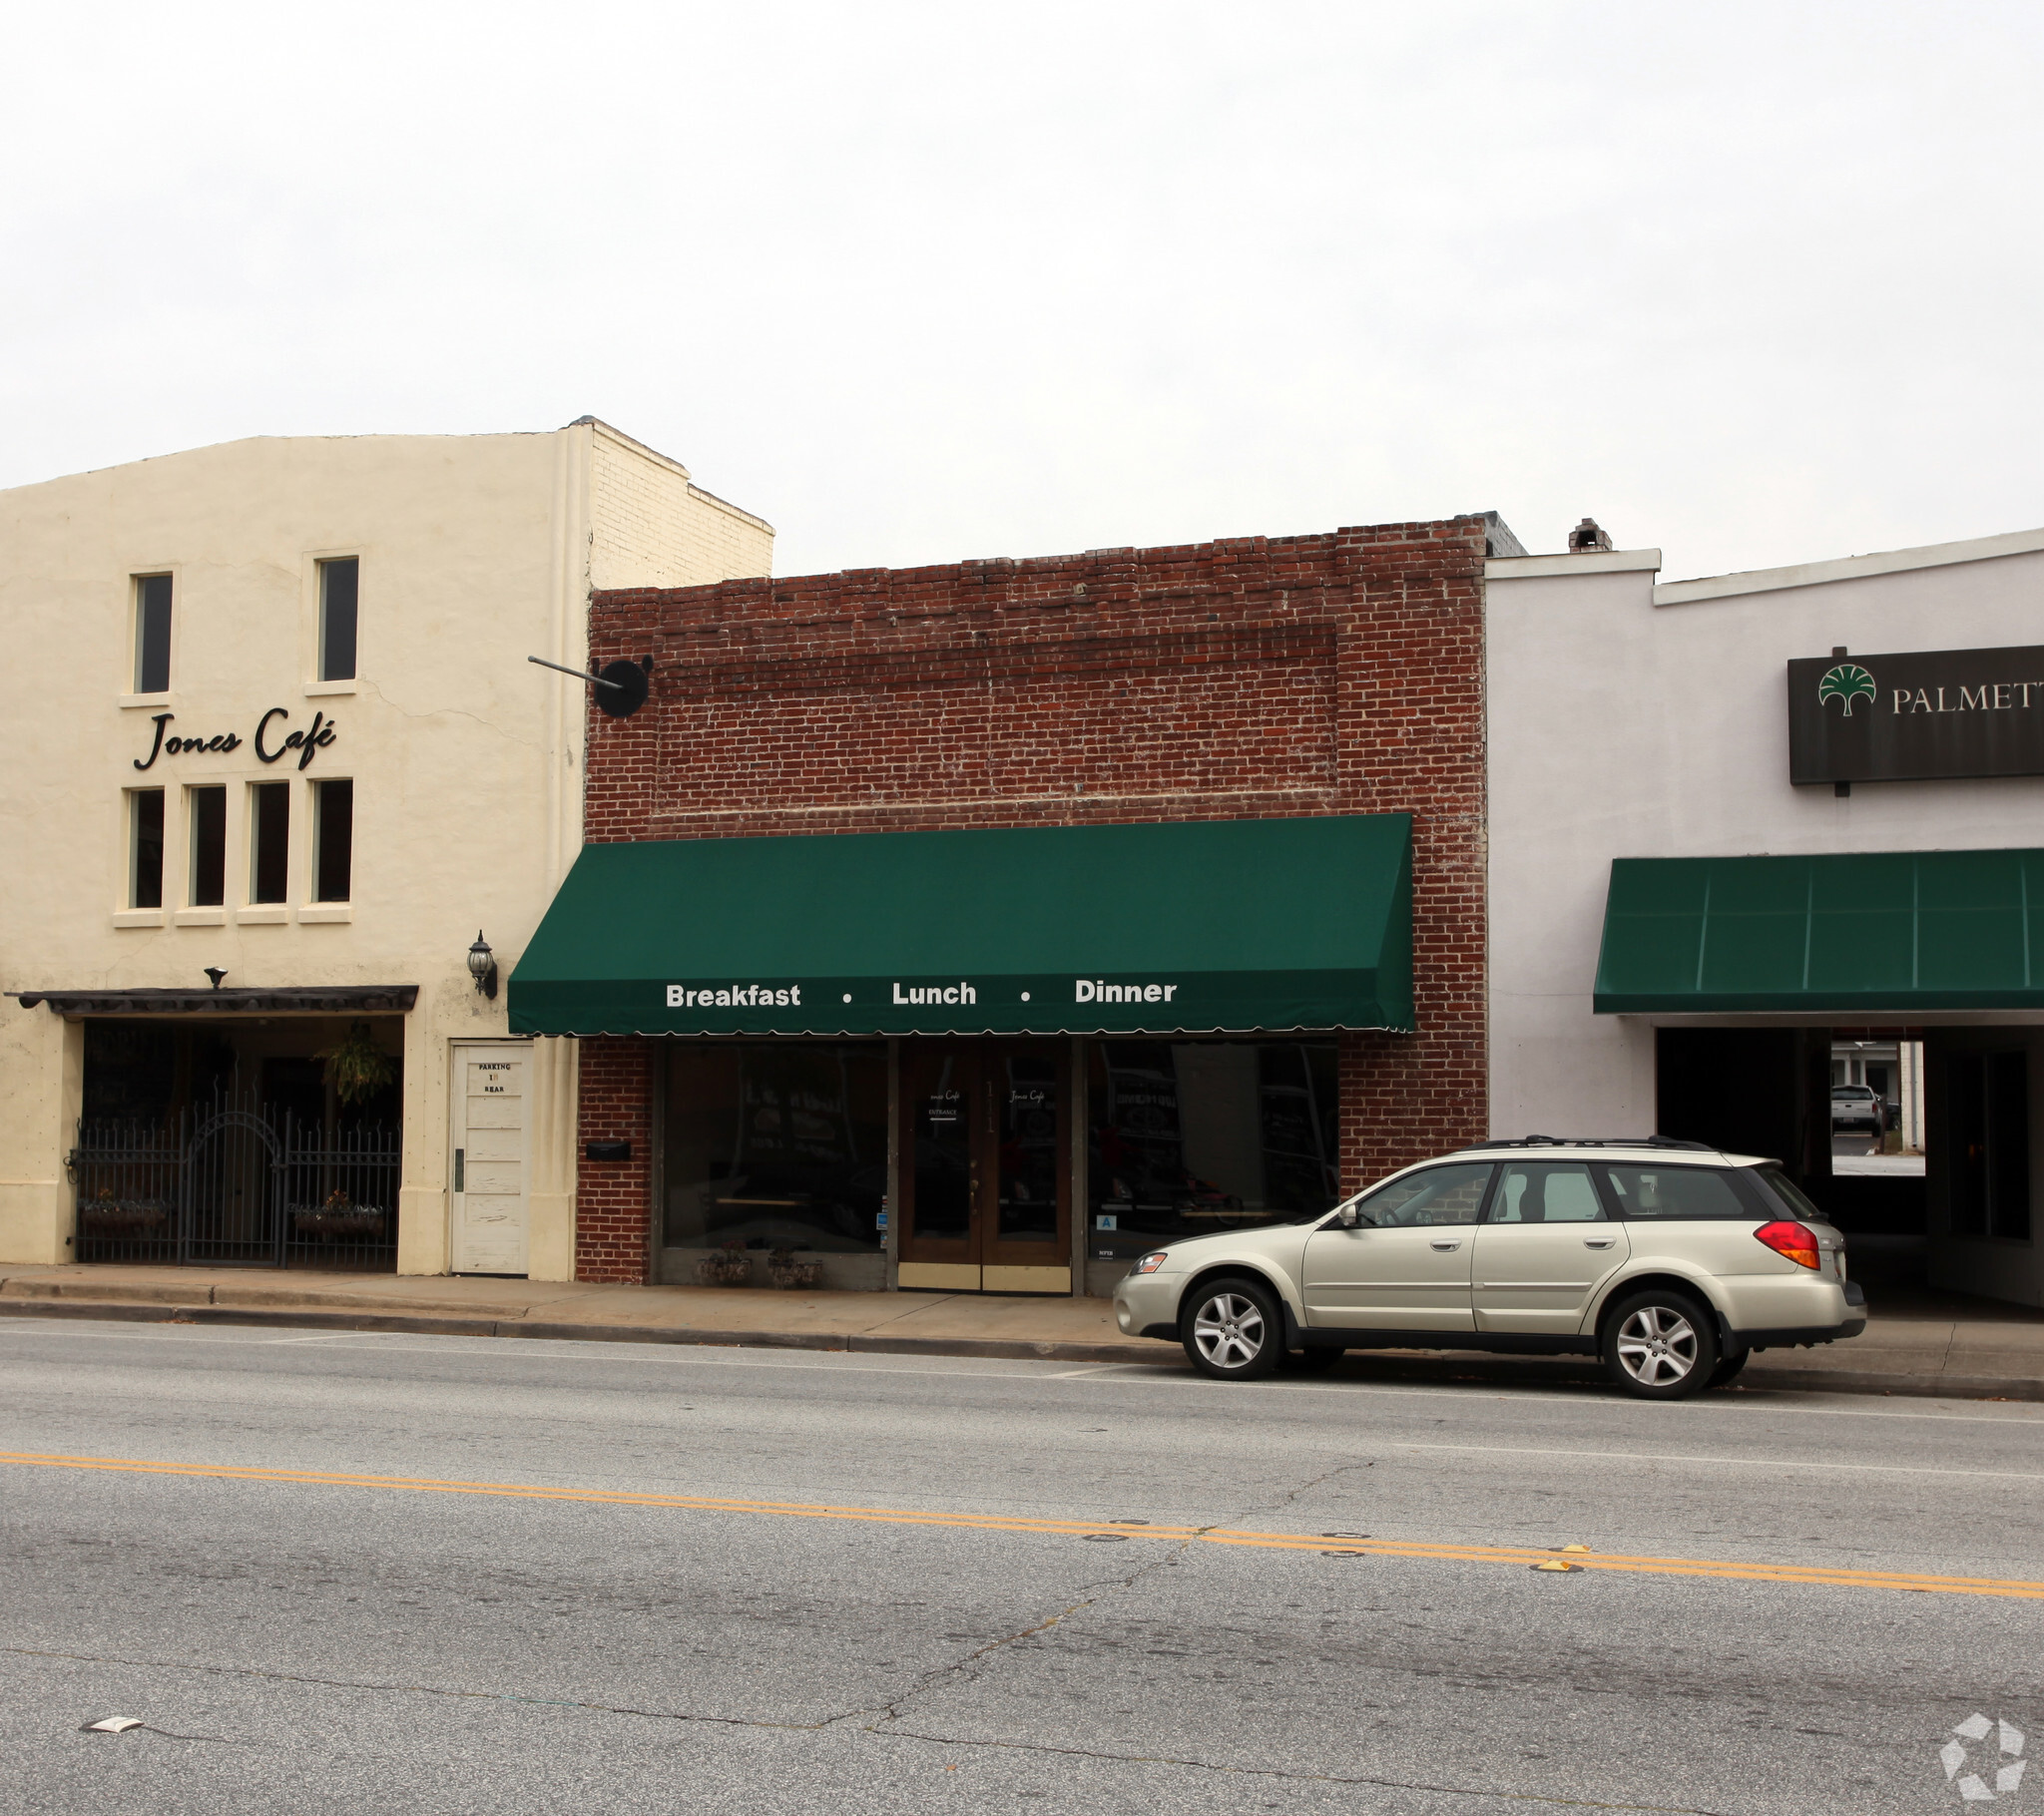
{"x":1878,"y":930}
{"x":1233,"y":925}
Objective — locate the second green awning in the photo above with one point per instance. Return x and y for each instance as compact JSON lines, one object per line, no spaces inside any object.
{"x":1847,"y":932}
{"x":1201,"y":926}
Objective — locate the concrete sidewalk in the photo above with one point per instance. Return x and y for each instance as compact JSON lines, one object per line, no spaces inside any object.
{"x":1914,"y":1342}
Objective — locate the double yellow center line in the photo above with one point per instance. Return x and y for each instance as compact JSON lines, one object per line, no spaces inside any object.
{"x":1339,"y":1544}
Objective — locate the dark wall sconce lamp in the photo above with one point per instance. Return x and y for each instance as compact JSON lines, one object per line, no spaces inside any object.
{"x":482,"y":966}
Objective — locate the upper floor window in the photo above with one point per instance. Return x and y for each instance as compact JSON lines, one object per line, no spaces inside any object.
{"x":339,"y":582}
{"x":145,"y":848}
{"x":270,"y":839}
{"x":152,"y":633}
{"x":333,"y":837}
{"x":206,"y":815}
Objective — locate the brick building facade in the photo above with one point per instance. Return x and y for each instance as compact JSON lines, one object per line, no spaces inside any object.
{"x":1256,"y":678}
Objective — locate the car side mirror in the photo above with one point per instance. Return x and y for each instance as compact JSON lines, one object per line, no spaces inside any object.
{"x":1350,"y":1216}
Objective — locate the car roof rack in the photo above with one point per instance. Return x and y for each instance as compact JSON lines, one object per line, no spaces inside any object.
{"x":1542,"y":1140}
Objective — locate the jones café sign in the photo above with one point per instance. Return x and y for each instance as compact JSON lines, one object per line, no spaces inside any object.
{"x":274,"y":739}
{"x":1918,"y":715}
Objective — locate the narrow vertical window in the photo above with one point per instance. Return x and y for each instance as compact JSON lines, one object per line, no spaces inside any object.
{"x":334,"y":832}
{"x":270,"y":839}
{"x":207,"y":812}
{"x":145,"y":848}
{"x":152,"y":633}
{"x":338,"y":589}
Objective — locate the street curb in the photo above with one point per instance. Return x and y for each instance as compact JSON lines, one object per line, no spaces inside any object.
{"x":1935,"y":1387}
{"x":129,"y":1311}
{"x":1433,"y":1366}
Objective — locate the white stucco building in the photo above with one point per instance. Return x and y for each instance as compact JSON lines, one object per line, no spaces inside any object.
{"x":1680,"y":931}
{"x":278,"y":756}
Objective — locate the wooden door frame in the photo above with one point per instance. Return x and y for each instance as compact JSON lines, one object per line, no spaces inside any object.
{"x":979,"y":1265}
{"x":950,"y":1269}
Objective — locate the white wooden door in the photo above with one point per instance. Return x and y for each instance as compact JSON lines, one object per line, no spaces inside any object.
{"x":491,"y":1169}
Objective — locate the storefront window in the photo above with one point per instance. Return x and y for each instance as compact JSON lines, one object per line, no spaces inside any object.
{"x":1188,"y":1138}
{"x":776,"y":1143}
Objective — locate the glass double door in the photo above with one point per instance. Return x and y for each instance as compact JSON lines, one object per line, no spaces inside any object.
{"x":985,"y":1166}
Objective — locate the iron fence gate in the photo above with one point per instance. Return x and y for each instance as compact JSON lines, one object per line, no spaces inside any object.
{"x":239,"y":1183}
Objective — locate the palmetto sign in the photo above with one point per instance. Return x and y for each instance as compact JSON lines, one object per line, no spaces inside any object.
{"x":1916,"y":715}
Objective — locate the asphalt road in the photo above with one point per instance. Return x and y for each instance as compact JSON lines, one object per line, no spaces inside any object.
{"x":982,"y":1635}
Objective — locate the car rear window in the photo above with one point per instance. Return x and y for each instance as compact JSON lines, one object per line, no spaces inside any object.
{"x":1677,"y":1191}
{"x":1789,"y":1193}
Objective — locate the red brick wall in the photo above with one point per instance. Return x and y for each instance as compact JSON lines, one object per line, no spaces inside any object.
{"x":1247,"y":678}
{"x":614,"y":1198}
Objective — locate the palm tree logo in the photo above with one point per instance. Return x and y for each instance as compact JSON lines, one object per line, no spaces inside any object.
{"x":1847,"y":682}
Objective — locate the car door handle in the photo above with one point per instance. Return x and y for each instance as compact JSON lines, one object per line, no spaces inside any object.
{"x":1457,"y":1243}
{"x":1599,"y":1241}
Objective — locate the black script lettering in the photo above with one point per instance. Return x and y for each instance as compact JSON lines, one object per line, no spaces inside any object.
{"x":320,"y":736}
{"x":261,"y":726}
{"x":161,"y":720}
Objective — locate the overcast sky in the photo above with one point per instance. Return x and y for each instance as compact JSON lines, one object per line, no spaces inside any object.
{"x":1751,"y":283}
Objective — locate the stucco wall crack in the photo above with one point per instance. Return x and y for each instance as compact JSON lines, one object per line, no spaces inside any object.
{"x":510,"y":737}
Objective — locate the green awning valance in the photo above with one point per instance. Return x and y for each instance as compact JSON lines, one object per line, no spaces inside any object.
{"x":1233,"y":925}
{"x":1878,"y":931}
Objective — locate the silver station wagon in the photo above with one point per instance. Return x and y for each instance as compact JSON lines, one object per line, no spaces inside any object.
{"x":1670,"y":1260}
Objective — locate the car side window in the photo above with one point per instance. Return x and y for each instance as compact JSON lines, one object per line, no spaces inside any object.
{"x":1674,"y":1192}
{"x":1538,"y":1191}
{"x":1440,"y":1195}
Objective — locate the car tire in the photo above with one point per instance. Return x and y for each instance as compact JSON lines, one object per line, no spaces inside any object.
{"x":1660,"y":1344}
{"x":1728,"y":1369}
{"x":1232,"y":1329}
{"x":1314,"y":1360}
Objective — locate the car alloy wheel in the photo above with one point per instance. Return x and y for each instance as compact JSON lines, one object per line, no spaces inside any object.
{"x":1660,"y":1346}
{"x":1657,"y":1346}
{"x":1232,"y":1333}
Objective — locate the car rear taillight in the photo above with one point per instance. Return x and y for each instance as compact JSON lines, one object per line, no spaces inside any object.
{"x":1796,"y":1240}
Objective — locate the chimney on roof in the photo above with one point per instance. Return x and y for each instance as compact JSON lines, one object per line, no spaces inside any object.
{"x":1587,"y":539}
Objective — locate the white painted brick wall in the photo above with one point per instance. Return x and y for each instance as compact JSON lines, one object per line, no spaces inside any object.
{"x":651,"y":527}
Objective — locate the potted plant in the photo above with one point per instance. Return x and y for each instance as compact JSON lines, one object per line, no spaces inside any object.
{"x":357,"y":1067}
{"x":106,"y":1215}
{"x":784,"y":1270}
{"x":726,"y":1265}
{"x":340,"y":1215}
